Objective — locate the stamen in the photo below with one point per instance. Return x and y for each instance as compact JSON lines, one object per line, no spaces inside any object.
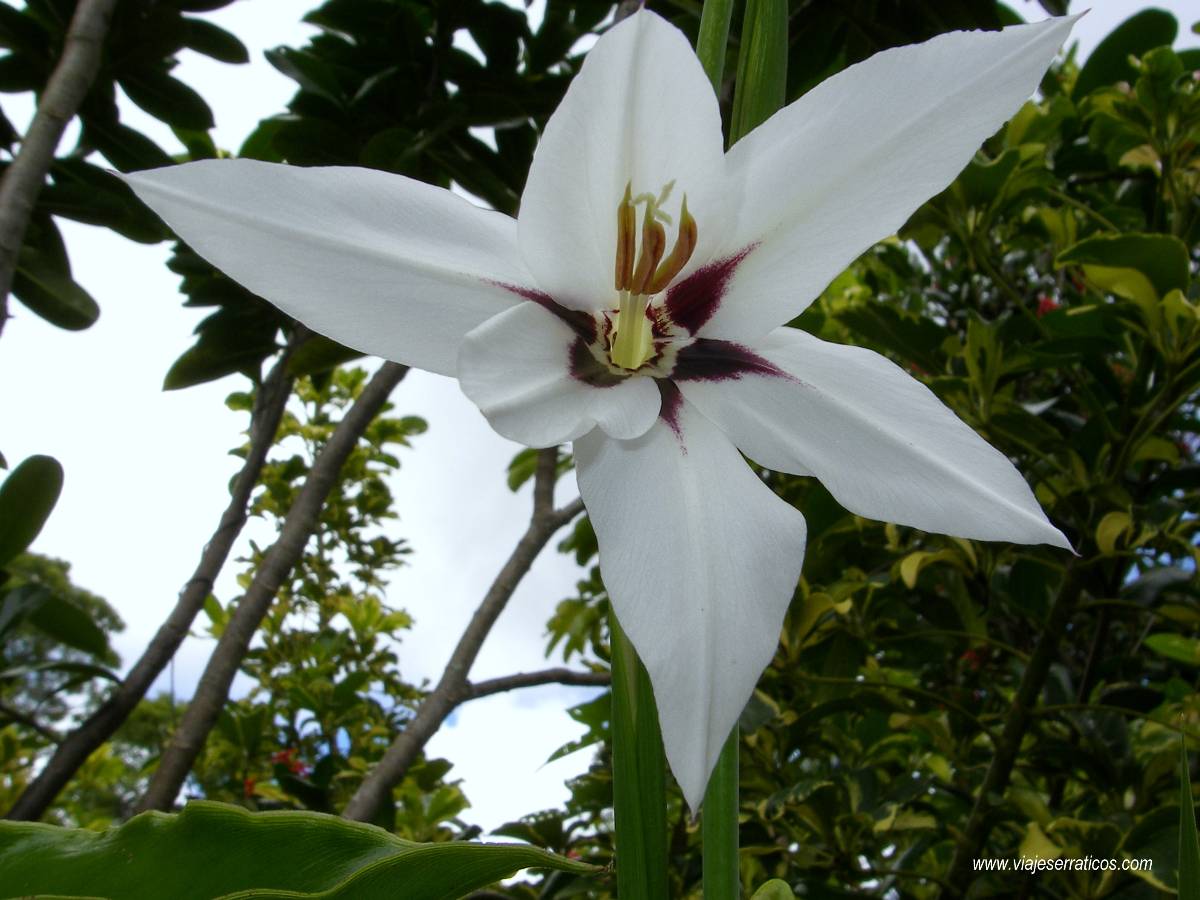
{"x":654,"y":244}
{"x":685,"y":245}
{"x":633,"y":341}
{"x":626,"y":240}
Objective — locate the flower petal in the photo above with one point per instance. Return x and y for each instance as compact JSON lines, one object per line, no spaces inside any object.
{"x":700,"y":560}
{"x":846,"y":164}
{"x":879,"y":440}
{"x":640,"y":112}
{"x":525,"y":369}
{"x":379,"y":262}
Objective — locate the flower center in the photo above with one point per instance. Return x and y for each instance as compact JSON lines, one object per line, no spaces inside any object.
{"x":641,"y":270}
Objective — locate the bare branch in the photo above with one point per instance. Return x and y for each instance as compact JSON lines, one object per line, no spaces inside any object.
{"x":213,"y":690}
{"x":80,"y":743}
{"x":15,"y":715}
{"x":68,"y":85}
{"x":453,"y":687}
{"x":476,"y":689}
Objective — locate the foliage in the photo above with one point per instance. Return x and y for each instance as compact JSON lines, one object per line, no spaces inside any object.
{"x":284,"y":854}
{"x":1048,"y":296}
{"x":144,"y":43}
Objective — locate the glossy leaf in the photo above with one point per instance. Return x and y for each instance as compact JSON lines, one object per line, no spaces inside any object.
{"x":1161,"y":258}
{"x":1176,"y":646}
{"x":47,"y":288}
{"x":212,"y":850}
{"x":168,"y":99}
{"x":27,"y":496}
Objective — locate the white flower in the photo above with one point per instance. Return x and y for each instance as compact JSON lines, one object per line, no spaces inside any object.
{"x":634,"y":307}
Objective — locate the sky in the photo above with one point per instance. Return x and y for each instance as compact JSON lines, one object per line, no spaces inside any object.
{"x":134,"y":454}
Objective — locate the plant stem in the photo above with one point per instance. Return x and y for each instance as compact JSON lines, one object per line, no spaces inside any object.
{"x":639,"y":775}
{"x":719,"y":826}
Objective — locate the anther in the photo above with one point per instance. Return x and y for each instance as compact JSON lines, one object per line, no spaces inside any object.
{"x":654,"y":244}
{"x":626,"y":240}
{"x":685,"y":245}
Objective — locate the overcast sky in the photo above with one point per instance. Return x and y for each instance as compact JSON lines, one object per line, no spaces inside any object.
{"x":146,"y":471}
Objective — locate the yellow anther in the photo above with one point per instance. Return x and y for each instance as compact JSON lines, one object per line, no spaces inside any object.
{"x":626,"y":240}
{"x":654,"y":245}
{"x":685,"y":245}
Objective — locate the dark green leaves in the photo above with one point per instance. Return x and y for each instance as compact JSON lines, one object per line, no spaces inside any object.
{"x":26,"y":498}
{"x":1109,"y":62}
{"x":211,"y":850}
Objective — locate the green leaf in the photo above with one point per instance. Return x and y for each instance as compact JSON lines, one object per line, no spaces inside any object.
{"x":775,"y":889}
{"x":19,"y":31}
{"x":70,"y":625}
{"x":75,"y":668}
{"x":522,"y":468}
{"x":45,"y":286}
{"x":212,"y":40}
{"x":1175,"y":646}
{"x":639,"y":767}
{"x":211,"y":850}
{"x":319,"y":354}
{"x":168,"y":99}
{"x":18,"y":603}
{"x":1109,"y":62}
{"x":762,"y":66}
{"x":1114,"y":526}
{"x":128,"y":150}
{"x":27,"y":496}
{"x":1189,"y":844}
{"x":1161,"y":259}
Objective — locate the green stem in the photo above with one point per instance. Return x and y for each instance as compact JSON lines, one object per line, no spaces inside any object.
{"x":719,"y":826}
{"x":713,"y":39}
{"x":639,"y":775}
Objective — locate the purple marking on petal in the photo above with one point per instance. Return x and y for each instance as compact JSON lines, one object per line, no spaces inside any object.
{"x":712,"y":360}
{"x":672,"y":402}
{"x":693,"y":301}
{"x":586,"y":368}
{"x":582,"y":323}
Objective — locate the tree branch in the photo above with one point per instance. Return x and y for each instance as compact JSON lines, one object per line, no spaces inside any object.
{"x":212,"y":692}
{"x":65,"y":90}
{"x":80,"y":743}
{"x":476,"y":689}
{"x":995,"y":782}
{"x":453,"y":687}
{"x":29,"y":721}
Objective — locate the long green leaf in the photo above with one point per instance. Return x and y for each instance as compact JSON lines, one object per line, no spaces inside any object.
{"x":762,"y":66}
{"x":719,"y":826}
{"x":639,"y":775}
{"x":1189,"y":845}
{"x":211,"y":850}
